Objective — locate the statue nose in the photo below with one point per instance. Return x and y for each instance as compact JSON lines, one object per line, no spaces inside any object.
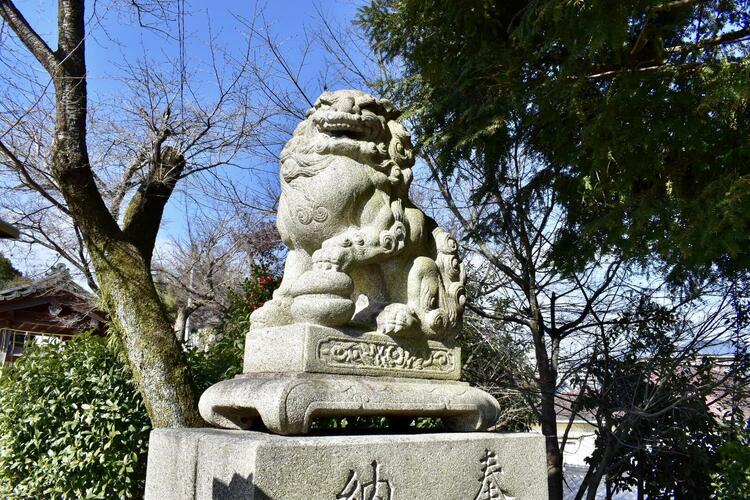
{"x":345,"y":105}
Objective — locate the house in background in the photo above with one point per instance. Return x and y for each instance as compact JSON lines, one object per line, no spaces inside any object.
{"x":53,"y":307}
{"x":729,"y":399}
{"x":579,"y":445}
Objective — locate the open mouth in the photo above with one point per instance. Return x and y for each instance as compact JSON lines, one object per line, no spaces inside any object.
{"x":339,"y":124}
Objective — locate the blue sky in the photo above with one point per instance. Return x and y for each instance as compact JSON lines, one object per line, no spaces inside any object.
{"x":113,"y":30}
{"x":114,"y":39}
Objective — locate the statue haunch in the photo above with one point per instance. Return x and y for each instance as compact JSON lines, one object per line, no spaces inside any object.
{"x":360,"y":253}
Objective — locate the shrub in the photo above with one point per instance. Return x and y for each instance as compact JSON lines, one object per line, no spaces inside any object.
{"x":72,"y":424}
{"x":732,"y":481}
{"x":223,"y":359}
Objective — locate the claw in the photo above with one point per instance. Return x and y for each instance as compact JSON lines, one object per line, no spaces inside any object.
{"x":332,"y":257}
{"x":395,"y":318}
{"x":273,"y":313}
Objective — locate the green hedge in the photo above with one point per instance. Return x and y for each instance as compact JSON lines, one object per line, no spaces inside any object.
{"x":71,"y":424}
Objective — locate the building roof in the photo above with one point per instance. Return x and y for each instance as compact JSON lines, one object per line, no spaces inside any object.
{"x":57,"y":280}
{"x":564,"y":403}
{"x":730,"y":393}
{"x":53,"y":304}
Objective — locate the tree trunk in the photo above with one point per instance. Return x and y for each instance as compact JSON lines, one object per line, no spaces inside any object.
{"x":548,"y":415}
{"x":182,"y":319}
{"x":549,"y":429}
{"x":180,"y":323}
{"x":153,"y":351}
{"x":547,"y":388}
{"x":611,"y":448}
{"x":121,"y":258}
{"x":585,"y":483}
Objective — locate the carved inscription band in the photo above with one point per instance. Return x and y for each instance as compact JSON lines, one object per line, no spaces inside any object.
{"x":339,"y":353}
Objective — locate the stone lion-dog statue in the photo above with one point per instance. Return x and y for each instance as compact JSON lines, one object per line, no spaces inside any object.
{"x":360,"y":252}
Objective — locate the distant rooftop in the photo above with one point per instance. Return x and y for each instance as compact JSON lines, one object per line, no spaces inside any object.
{"x":564,"y":403}
{"x":53,"y":304}
{"x":57,"y":280}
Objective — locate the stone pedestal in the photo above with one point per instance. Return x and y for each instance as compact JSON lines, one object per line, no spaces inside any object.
{"x":294,"y":374}
{"x":288,"y":403}
{"x":221,"y":464}
{"x":306,"y":348}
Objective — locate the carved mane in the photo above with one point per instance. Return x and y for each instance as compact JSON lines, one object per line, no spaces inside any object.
{"x":388,"y":150}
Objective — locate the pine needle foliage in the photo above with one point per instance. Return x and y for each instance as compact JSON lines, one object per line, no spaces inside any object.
{"x":638,"y":112}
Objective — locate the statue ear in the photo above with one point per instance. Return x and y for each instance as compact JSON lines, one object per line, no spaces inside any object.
{"x":400,"y":149}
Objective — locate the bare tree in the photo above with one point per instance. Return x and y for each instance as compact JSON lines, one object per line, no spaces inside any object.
{"x":512,"y":232}
{"x":99,"y":203}
{"x":201,"y":270}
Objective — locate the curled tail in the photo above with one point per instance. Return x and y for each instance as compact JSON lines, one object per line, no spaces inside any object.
{"x":452,"y":295}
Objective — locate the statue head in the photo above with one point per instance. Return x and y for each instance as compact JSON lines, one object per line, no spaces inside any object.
{"x":352,"y":124}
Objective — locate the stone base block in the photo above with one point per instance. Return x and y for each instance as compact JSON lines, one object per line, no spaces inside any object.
{"x":287,"y":403}
{"x":347,"y":351}
{"x":220,"y":465}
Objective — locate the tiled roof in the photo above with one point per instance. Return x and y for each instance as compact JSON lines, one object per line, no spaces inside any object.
{"x":564,"y":407}
{"x":57,"y":281}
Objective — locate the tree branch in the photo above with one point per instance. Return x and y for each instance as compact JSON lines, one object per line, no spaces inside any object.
{"x":510,"y":318}
{"x":85,"y":265}
{"x":144,"y":213}
{"x":733,"y":36}
{"x":676,"y":4}
{"x":484,"y":250}
{"x":126,"y":184}
{"x":28,"y":36}
{"x":590,"y":301}
{"x":29,"y":180}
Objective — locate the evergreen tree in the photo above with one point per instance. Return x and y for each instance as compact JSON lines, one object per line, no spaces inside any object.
{"x":630,"y":119}
{"x":8,"y":273}
{"x":638,"y":110}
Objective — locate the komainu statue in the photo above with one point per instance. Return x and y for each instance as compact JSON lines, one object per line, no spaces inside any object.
{"x":365,"y":318}
{"x":360,"y":253}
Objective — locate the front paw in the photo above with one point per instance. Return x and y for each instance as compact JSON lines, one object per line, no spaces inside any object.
{"x":332,"y":257}
{"x":395,"y":319}
{"x":275,"y":312}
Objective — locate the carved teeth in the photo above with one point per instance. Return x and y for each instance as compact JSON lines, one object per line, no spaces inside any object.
{"x":332,"y":121}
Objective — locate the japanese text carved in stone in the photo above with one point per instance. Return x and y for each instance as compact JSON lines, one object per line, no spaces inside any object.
{"x":377,"y":489}
{"x":491,"y":489}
